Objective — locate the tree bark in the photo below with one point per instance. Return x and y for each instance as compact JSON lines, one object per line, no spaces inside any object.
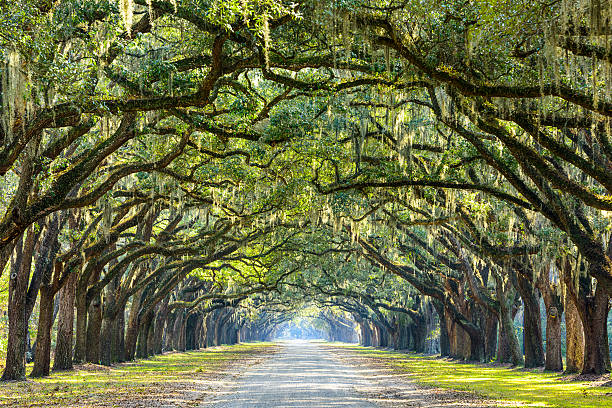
{"x":65,"y":325}
{"x":160,"y":324}
{"x":41,"y":282}
{"x":594,"y":321}
{"x":150,"y":350}
{"x":20,"y":268}
{"x":509,"y":350}
{"x":574,"y":337}
{"x":444,"y":339}
{"x":177,"y":330}
{"x":42,"y":359}
{"x":592,"y":307}
{"x":491,"y":329}
{"x":18,"y":325}
{"x":108,"y":336}
{"x":554,"y":311}
{"x":532,"y":327}
{"x":143,"y":335}
{"x":119,"y":331}
{"x":554,"y":358}
{"x":419,"y":332}
{"x":131,"y":334}
{"x":80,"y":345}
{"x":94,"y":325}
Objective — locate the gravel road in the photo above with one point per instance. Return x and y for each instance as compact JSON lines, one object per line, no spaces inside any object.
{"x":301,"y":374}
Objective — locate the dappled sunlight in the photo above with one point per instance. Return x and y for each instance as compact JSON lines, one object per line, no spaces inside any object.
{"x":175,"y":378}
{"x":515,"y":386}
{"x":312,"y":374}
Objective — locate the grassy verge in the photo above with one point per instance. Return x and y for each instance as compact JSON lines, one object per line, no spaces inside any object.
{"x":524,"y":387}
{"x":158,"y":380}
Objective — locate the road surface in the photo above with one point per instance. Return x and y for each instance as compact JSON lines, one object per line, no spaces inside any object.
{"x":302,"y":374}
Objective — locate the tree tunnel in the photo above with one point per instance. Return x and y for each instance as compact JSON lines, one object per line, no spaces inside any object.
{"x":421,"y":175}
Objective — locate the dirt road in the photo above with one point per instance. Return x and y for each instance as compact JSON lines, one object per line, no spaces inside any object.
{"x":302,"y":374}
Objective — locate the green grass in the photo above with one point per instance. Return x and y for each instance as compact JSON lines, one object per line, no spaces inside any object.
{"x":525,"y":387}
{"x":92,"y":385}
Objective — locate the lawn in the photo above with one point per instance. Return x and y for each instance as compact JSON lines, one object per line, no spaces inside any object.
{"x":525,"y":387}
{"x":162,"y":378}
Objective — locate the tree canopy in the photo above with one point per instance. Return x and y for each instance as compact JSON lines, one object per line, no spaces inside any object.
{"x":211,"y":170}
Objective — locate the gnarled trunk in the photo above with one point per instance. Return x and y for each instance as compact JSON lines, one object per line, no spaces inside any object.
{"x":41,"y":282}
{"x":42,"y":358}
{"x":444,"y":339}
{"x":65,"y":325}
{"x":491,"y":323}
{"x":419,"y":333}
{"x":143,"y":335}
{"x":151,"y":337}
{"x":554,"y":358}
{"x":80,"y":345}
{"x":594,"y":316}
{"x":532,"y":327}
{"x":106,"y":345}
{"x":509,"y":350}
{"x":94,"y":325}
{"x":554,"y":311}
{"x":574,"y":338}
{"x":18,"y":325}
{"x":131,"y":334}
{"x":160,"y":323}
{"x":118,"y":351}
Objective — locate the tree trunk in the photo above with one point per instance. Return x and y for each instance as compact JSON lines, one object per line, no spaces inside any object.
{"x":217,"y":328}
{"x":108,"y":338}
{"x":366,"y":333}
{"x":404,"y":337}
{"x":168,"y":340}
{"x":48,"y":308}
{"x":491,"y":323}
{"x":80,"y":345}
{"x":375,"y":335}
{"x":574,"y":338}
{"x":476,"y":348}
{"x":160,"y":324}
{"x":594,"y":320}
{"x":419,"y":332}
{"x":253,"y":333}
{"x":190,"y":332}
{"x":42,"y":358}
{"x":45,"y":259}
{"x":532,"y":326}
{"x":177,"y":329}
{"x":181,"y":346}
{"x":94,"y":325}
{"x":454,"y":334}
{"x":131,"y":334}
{"x":151,"y":337}
{"x":143,"y":335}
{"x":120,"y":336}
{"x":554,"y":358}
{"x":444,"y":340}
{"x":18,"y":325}
{"x":509,"y":350}
{"x":554,"y":311}
{"x":63,"y":347}
{"x":108,"y":329}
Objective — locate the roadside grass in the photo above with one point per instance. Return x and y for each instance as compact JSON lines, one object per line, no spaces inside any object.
{"x":525,"y":387}
{"x":93,"y":385}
